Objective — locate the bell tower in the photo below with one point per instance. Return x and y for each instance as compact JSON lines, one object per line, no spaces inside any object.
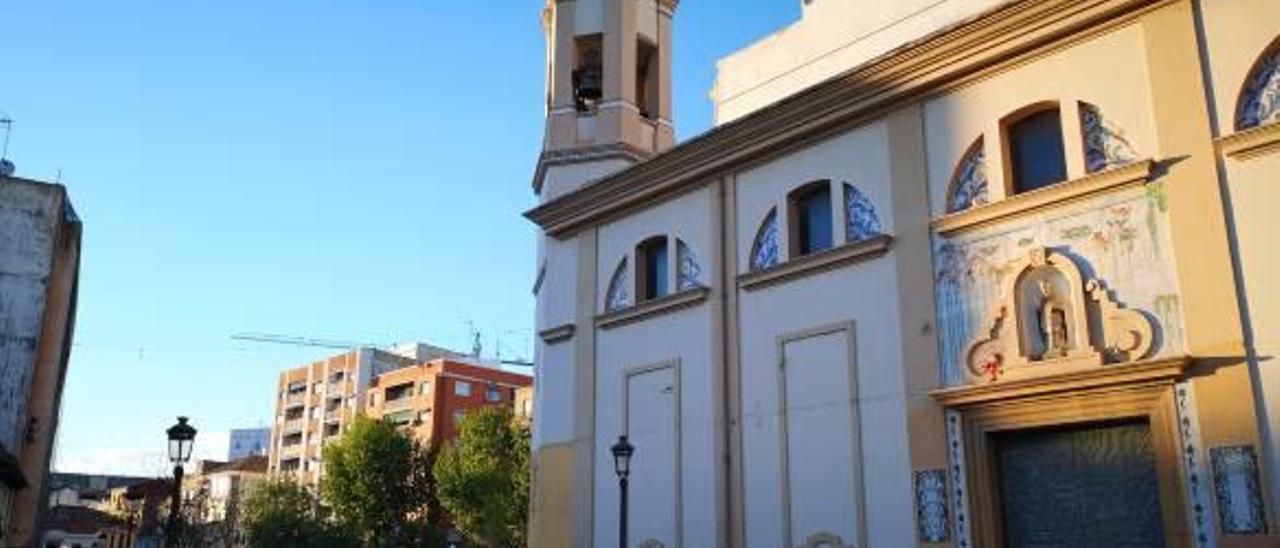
{"x":608,"y":89}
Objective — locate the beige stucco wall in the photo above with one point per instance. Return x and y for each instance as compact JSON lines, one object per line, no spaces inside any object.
{"x":1234,"y":41}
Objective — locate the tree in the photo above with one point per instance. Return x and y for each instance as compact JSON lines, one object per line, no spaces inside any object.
{"x":378,"y":482}
{"x":482,"y":478}
{"x":280,"y":513}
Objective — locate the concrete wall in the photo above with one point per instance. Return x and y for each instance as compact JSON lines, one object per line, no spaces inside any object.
{"x":39,"y":273}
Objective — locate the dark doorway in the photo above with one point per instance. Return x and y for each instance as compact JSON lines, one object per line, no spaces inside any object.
{"x":1082,"y":486}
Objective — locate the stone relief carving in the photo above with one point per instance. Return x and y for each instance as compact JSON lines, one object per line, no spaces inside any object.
{"x":969,"y":184}
{"x":1105,"y":145}
{"x":1260,"y":100}
{"x":764,"y":249}
{"x":1049,"y":319}
{"x":824,"y":540}
{"x":619,"y":294}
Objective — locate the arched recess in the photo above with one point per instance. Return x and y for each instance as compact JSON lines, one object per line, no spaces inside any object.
{"x":810,"y":219}
{"x":764,"y":249}
{"x":618,"y":296}
{"x":861,"y":221}
{"x":968,"y":187}
{"x":1259,"y":101}
{"x":1105,"y":144}
{"x":688,"y":271}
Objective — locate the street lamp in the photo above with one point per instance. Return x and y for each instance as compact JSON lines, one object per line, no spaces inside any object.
{"x":182,"y":437}
{"x":622,"y":452}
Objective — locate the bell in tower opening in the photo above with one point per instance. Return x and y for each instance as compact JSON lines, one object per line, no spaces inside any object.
{"x":588,"y":74}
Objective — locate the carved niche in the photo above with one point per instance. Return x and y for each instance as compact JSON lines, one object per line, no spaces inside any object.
{"x":1049,"y":320}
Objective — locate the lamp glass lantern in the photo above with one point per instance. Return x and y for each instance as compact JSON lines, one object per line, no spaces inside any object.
{"x":622,"y":452}
{"x":182,"y":437}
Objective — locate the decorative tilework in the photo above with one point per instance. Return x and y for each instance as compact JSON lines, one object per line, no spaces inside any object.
{"x":1238,"y":490}
{"x":764,"y":250}
{"x":955,"y":457}
{"x":688,"y":272}
{"x":1260,"y":101}
{"x":1193,"y":466}
{"x":931,"y":505}
{"x":1105,"y":145}
{"x":861,"y":221}
{"x":969,"y":184}
{"x":619,"y":295}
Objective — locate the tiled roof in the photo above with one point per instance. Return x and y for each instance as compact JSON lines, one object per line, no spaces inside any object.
{"x":81,"y":520}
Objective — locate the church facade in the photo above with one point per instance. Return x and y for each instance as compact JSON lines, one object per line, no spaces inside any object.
{"x":945,"y":273}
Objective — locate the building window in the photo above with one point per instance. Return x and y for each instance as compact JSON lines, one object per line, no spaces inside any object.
{"x":424,"y":388}
{"x":647,"y":79}
{"x":651,"y":257}
{"x":492,"y":393}
{"x":399,"y":392}
{"x":588,"y":73}
{"x":811,"y":222}
{"x":462,"y":388}
{"x":424,"y":416}
{"x":1036,"y":156}
{"x":330,"y":430}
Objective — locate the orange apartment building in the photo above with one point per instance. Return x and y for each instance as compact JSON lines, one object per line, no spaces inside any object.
{"x":432,"y":397}
{"x":424,"y":387}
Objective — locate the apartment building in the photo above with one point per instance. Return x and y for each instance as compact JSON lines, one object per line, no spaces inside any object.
{"x":431,"y":398}
{"x":317,"y":401}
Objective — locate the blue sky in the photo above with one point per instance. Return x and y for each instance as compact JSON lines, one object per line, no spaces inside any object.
{"x":333,"y":169}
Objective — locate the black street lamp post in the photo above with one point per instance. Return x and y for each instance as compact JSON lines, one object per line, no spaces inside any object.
{"x":622,"y":452}
{"x":182,"y":437}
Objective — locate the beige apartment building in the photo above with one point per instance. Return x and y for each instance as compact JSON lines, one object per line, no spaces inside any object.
{"x":971,"y":273}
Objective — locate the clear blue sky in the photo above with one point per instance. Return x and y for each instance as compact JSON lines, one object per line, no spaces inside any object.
{"x":348,"y":170}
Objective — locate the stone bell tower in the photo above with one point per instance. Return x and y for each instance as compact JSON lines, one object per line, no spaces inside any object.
{"x":608,"y":89}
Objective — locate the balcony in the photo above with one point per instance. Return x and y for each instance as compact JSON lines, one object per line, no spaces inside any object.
{"x":333,"y":415}
{"x":293,"y":425}
{"x":293,"y":399}
{"x":397,"y":404}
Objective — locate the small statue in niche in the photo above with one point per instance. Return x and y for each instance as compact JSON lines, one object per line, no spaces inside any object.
{"x":1053,"y":323}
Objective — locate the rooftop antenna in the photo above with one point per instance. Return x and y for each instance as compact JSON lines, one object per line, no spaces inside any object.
{"x":6,"y":166}
{"x":475,"y":346}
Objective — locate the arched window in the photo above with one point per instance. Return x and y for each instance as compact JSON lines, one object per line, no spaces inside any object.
{"x":651,"y":264}
{"x":810,"y":218}
{"x":969,"y":182}
{"x":1260,"y":97}
{"x":764,"y":249}
{"x":1035,"y":154}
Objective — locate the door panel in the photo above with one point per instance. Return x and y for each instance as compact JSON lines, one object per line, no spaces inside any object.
{"x":1080,"y":487}
{"x":651,"y":427}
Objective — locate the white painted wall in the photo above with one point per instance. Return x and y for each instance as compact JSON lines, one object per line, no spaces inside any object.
{"x":684,"y":336}
{"x":832,"y":37}
{"x":864,"y":294}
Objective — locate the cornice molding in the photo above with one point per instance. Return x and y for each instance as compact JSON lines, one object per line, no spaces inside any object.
{"x":942,"y":61}
{"x":1037,"y":200}
{"x":559,"y":333}
{"x":580,"y":155}
{"x":651,"y":308}
{"x":1165,"y":370}
{"x":809,"y":265}
{"x":1252,"y":142}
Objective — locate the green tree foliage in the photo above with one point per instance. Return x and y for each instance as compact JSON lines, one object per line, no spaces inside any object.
{"x":279,"y":513}
{"x":482,"y":478}
{"x":378,"y":482}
